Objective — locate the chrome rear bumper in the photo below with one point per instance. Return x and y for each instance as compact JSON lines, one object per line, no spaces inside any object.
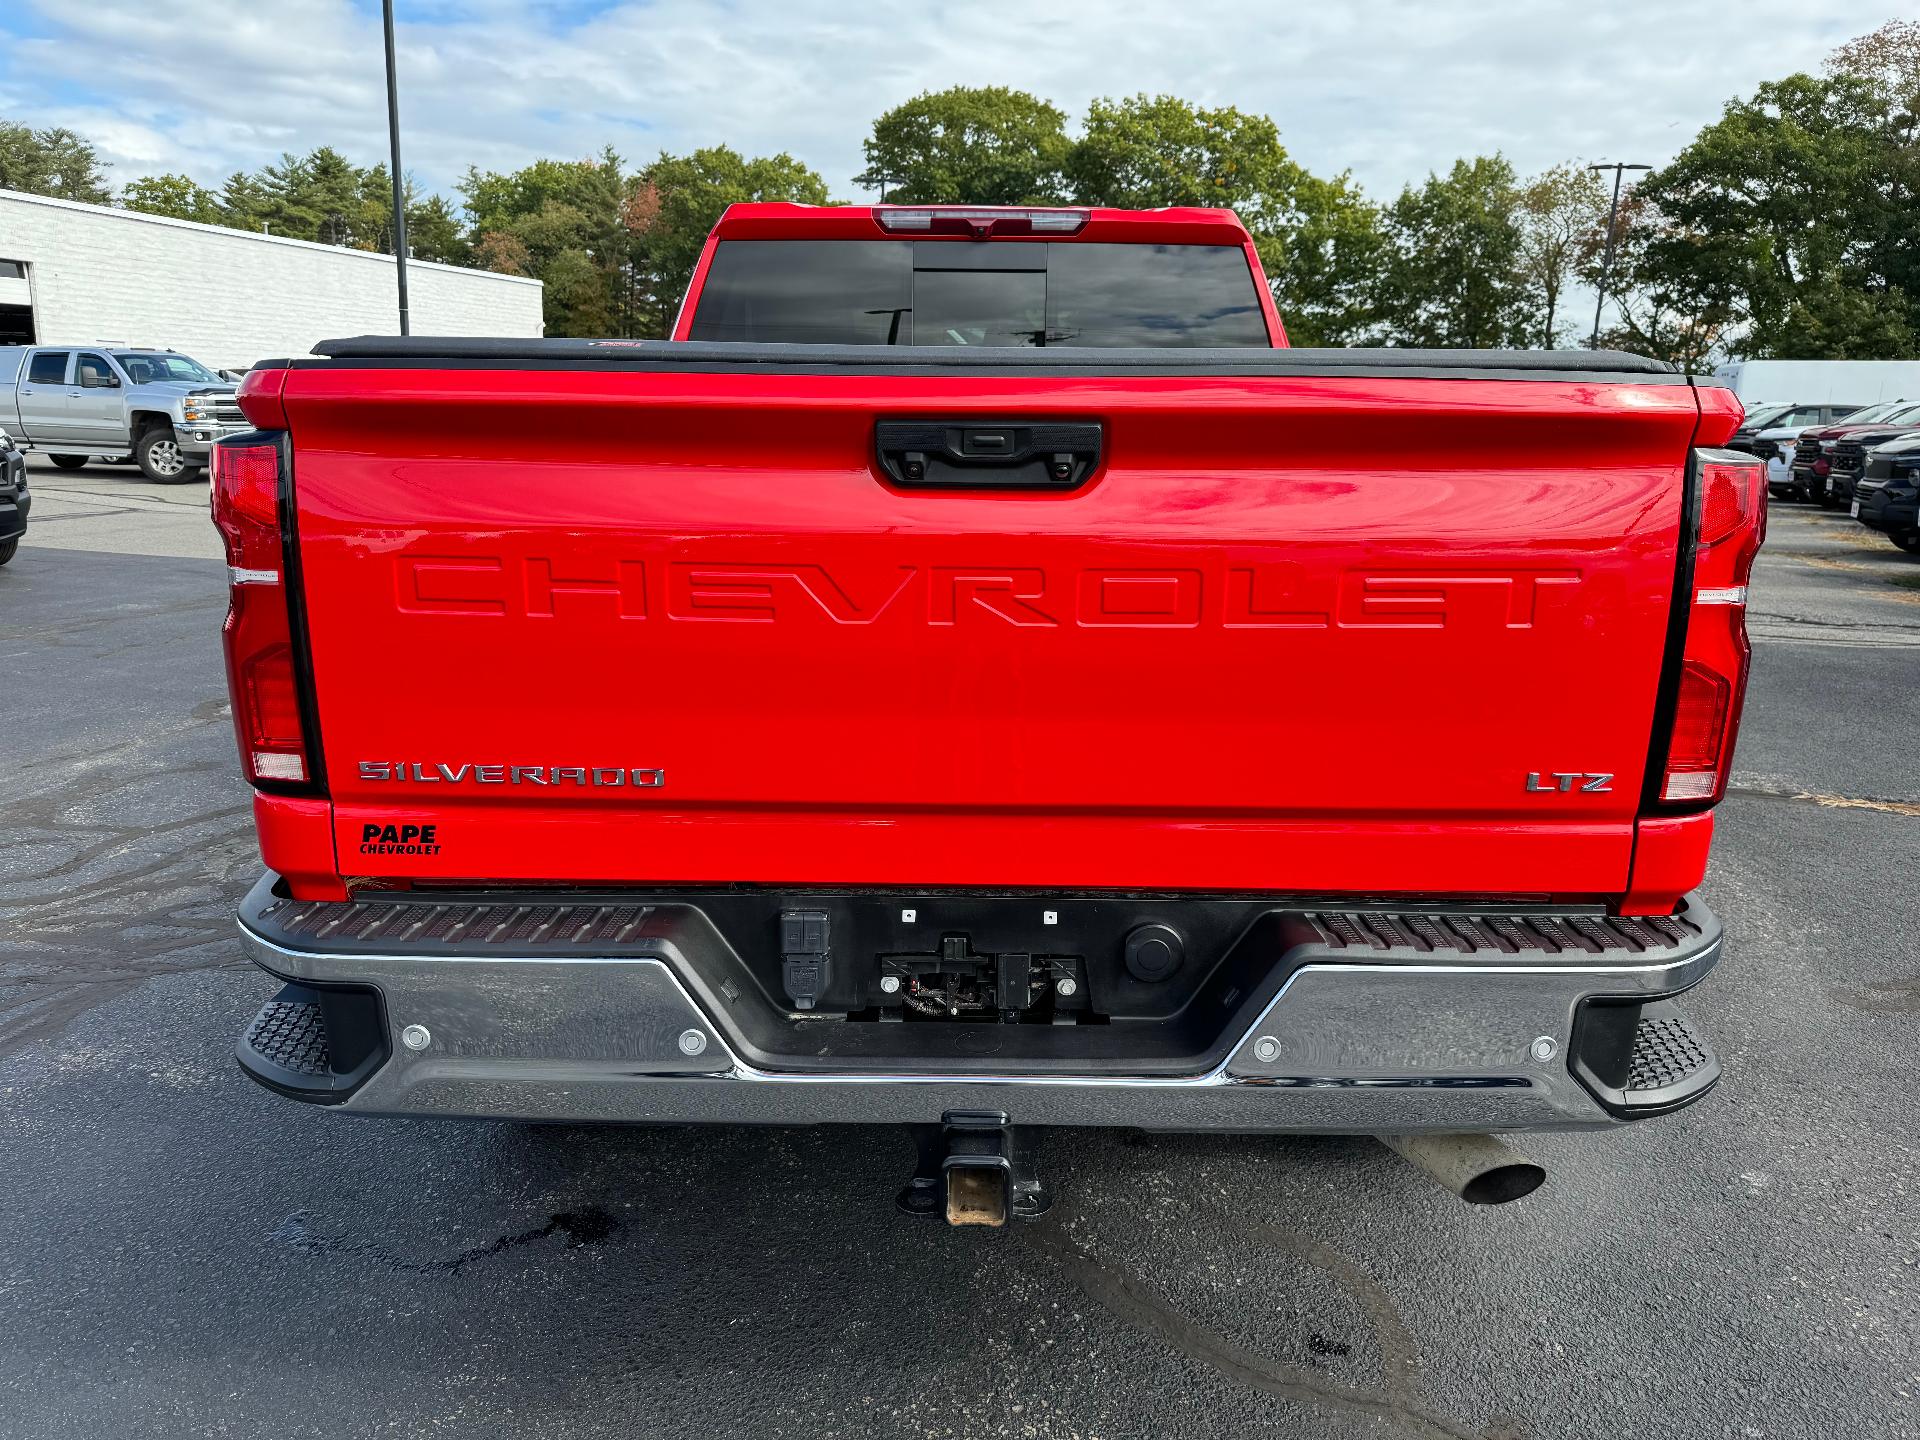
{"x":1351,"y":1040}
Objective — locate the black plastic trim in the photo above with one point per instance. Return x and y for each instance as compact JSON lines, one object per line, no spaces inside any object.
{"x":295,"y":590}
{"x":1036,"y":454}
{"x":1601,"y":1052}
{"x":356,"y":1025}
{"x":1667,"y":697}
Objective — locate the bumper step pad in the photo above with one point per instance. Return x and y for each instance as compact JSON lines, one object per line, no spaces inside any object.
{"x":1670,"y":1059}
{"x":531,"y":925}
{"x":1642,"y":1059}
{"x":316,"y":1043}
{"x":290,"y":1035}
{"x":1514,"y":936}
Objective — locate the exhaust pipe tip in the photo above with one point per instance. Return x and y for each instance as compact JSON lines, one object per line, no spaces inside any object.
{"x":1480,"y":1169}
{"x":1504,"y":1183}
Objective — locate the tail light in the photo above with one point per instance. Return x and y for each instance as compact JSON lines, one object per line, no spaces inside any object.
{"x":1728,"y":527}
{"x":261,"y":675}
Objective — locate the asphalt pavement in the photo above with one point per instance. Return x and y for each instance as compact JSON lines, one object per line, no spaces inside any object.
{"x":184,"y":1254}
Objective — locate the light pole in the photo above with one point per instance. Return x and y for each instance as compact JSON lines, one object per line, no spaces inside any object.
{"x":399,"y":184}
{"x":1606,"y":258}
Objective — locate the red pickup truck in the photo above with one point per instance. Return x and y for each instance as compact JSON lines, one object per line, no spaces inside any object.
{"x":976,"y":676}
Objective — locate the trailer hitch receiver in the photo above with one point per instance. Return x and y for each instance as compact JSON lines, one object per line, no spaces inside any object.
{"x":974,"y":1168}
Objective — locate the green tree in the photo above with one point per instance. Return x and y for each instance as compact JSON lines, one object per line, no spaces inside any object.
{"x":368,"y":224}
{"x":676,"y":201}
{"x":969,"y":146}
{"x":243,"y":200}
{"x":1319,"y":240}
{"x":326,"y":197}
{"x":1148,"y":151}
{"x":1888,"y":58}
{"x":1326,"y":263}
{"x":1450,"y":277}
{"x":592,"y":187}
{"x":1794,"y":213}
{"x":179,"y":196}
{"x":434,"y":231}
{"x":320,"y":196}
{"x":504,"y":253}
{"x":1561,"y":210}
{"x":561,"y":221}
{"x":1677,"y":313}
{"x":53,"y":161}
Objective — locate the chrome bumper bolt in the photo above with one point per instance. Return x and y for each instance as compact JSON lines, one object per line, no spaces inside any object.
{"x":1067,"y":987}
{"x":1543,"y":1049}
{"x":416,"y":1037}
{"x":1266,"y":1048}
{"x":889,"y":984}
{"x":692,"y":1042}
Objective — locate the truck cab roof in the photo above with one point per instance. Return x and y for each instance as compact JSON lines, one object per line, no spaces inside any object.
{"x":1173,"y":225}
{"x":1179,"y":272}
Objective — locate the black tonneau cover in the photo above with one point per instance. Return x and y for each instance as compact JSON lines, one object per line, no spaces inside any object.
{"x":465,"y":352}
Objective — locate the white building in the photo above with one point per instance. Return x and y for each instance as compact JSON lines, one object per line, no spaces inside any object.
{"x":74,"y":273}
{"x":1821,"y":382}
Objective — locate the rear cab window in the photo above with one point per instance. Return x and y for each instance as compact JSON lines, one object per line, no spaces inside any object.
{"x":48,"y":367}
{"x":987,"y":293}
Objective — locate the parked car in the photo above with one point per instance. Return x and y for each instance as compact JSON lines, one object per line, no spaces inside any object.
{"x":14,"y":500}
{"x":1813,"y":451}
{"x":1848,"y":458}
{"x":1770,"y":418}
{"x":1771,"y":436}
{"x":78,"y":401}
{"x":1887,"y":496}
{"x":969,"y":601}
{"x":1758,"y":418}
{"x":1770,"y":431}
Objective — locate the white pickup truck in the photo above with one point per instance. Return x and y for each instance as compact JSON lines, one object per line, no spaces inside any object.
{"x":74,"y":402}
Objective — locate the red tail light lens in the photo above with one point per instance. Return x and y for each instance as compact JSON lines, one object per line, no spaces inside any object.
{"x":1699,"y":732}
{"x":258,"y":634}
{"x":1733,"y":507}
{"x":1713,"y":677}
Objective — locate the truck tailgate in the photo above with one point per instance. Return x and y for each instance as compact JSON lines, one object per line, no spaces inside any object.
{"x":1305,"y":629}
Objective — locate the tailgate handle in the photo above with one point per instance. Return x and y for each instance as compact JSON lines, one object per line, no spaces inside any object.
{"x":988,"y":454}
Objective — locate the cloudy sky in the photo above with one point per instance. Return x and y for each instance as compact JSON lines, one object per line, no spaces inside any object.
{"x":1388,"y":89}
